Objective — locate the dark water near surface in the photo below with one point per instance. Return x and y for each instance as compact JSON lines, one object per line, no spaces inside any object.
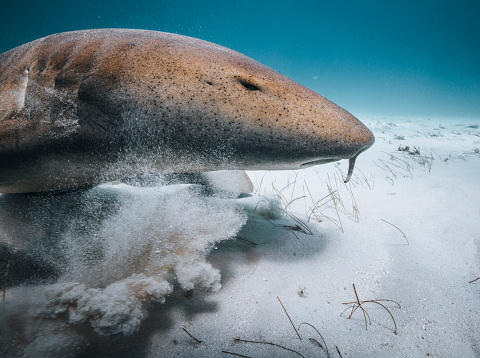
{"x":371,"y":57}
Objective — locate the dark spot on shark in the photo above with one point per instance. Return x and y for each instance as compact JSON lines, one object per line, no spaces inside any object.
{"x":248,"y":85}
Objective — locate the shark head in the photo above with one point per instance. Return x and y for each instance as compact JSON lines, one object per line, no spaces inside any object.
{"x":238,"y":113}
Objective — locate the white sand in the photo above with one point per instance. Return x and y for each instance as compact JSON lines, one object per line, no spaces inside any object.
{"x":432,"y":197}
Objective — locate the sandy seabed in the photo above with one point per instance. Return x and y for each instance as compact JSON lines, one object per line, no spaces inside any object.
{"x":404,"y":231}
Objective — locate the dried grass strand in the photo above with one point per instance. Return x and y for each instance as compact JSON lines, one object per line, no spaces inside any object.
{"x":278,"y":298}
{"x":269,"y":343}
{"x":235,"y":354}
{"x":405,"y":236}
{"x":192,"y":337}
{"x":359,"y":304}
{"x":316,"y":330}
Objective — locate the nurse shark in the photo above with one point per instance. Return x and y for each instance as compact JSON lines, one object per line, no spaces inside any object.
{"x":81,"y":108}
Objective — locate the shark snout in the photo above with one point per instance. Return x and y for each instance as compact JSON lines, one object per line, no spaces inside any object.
{"x":348,"y":141}
{"x":363,"y":140}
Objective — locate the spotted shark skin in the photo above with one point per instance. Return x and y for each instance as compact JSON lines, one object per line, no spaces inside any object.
{"x":81,"y":108}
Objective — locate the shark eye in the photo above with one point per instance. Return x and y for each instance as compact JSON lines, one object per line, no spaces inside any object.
{"x":249,"y":86}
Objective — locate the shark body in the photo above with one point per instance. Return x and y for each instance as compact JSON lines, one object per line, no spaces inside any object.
{"x":81,"y":108}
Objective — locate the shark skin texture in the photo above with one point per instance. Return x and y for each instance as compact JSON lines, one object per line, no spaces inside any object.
{"x":82,"y":108}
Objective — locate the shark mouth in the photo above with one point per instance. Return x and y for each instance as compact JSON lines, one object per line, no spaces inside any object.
{"x":351,"y":164}
{"x":318,"y":162}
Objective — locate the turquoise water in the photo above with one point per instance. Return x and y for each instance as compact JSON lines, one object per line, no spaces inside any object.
{"x":371,"y":57}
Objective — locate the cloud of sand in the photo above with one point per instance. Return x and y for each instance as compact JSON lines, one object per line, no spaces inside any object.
{"x":116,"y":249}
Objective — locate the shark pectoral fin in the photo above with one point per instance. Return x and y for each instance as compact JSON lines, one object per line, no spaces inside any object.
{"x":236,"y":181}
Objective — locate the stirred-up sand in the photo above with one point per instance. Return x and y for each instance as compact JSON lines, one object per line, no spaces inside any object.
{"x":179,"y":271}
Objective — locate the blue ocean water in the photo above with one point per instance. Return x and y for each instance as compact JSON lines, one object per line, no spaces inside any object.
{"x":415,"y":57}
{"x":411,"y":58}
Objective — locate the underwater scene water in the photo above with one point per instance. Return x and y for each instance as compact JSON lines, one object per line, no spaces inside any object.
{"x":374,"y":256}
{"x":370,"y":57}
